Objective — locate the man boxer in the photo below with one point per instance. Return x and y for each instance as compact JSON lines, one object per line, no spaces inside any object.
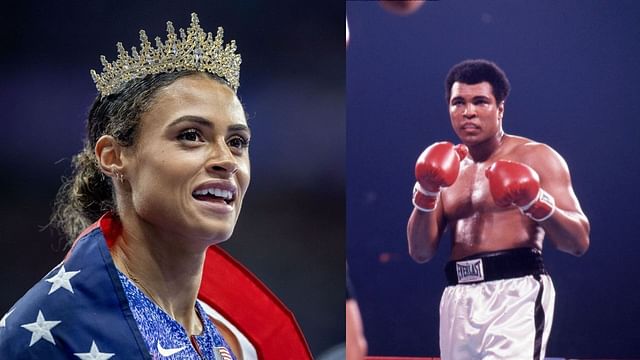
{"x":500,"y":195}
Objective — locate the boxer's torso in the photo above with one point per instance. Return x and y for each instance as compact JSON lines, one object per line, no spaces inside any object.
{"x":476,"y":222}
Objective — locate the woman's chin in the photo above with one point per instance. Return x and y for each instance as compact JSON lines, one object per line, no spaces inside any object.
{"x":214,"y":235}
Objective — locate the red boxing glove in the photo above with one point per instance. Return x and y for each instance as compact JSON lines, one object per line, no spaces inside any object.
{"x":437,"y":167}
{"x":514,"y":183}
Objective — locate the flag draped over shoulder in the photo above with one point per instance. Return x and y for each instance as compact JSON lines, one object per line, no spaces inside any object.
{"x":79,"y":309}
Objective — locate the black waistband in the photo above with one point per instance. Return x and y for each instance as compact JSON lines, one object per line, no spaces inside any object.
{"x":506,"y":264}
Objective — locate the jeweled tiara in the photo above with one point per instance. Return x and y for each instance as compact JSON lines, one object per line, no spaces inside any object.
{"x":194,"y":50}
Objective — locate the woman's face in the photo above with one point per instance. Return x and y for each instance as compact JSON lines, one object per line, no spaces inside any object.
{"x":189,"y":169}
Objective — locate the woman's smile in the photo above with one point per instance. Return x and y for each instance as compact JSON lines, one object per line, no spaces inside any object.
{"x":216,"y":195}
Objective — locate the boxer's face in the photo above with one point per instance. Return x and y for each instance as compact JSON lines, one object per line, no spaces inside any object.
{"x":475,"y":115}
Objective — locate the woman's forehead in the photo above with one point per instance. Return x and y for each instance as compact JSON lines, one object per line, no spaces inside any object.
{"x":197,"y":95}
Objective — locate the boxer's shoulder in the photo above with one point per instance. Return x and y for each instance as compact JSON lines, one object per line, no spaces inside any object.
{"x":527,"y":151}
{"x":541,"y":157}
{"x":518,"y":145}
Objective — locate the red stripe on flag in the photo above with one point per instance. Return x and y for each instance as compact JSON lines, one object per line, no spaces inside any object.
{"x":249,"y":305}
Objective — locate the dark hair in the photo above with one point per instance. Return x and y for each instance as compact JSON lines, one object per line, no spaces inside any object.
{"x":476,"y":71}
{"x":88,"y":193}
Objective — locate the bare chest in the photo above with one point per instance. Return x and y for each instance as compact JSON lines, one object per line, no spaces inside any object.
{"x":469,"y":194}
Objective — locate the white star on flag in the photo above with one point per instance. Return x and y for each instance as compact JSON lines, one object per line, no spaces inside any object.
{"x":41,"y":329}
{"x":94,"y":354}
{"x":61,"y":279}
{"x":3,"y":321}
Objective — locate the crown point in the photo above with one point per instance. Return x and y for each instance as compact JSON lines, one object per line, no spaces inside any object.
{"x":171,"y":31}
{"x":143,"y":36}
{"x":121,"y":51}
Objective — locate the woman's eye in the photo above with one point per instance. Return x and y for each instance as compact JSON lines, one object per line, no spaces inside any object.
{"x":238,"y":142}
{"x":190,"y":135}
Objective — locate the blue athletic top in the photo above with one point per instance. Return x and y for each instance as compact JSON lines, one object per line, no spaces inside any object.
{"x":165,"y":337}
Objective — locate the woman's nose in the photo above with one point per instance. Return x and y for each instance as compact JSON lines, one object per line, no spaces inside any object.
{"x":222,"y":161}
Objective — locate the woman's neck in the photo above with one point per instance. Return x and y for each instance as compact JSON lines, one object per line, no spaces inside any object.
{"x":161,"y":268}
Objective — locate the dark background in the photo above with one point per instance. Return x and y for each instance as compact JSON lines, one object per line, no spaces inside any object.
{"x":291,"y":230}
{"x":573,"y":66}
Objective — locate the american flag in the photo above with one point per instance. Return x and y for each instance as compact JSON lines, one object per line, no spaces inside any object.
{"x":74,"y":312}
{"x":79,"y":310}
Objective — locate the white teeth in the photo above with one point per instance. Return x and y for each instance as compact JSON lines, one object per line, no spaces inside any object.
{"x":226,"y":194}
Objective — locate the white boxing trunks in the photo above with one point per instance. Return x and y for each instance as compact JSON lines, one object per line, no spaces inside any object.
{"x":498,"y":306}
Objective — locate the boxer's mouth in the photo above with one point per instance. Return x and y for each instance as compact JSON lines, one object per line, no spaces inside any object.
{"x":469,"y":126}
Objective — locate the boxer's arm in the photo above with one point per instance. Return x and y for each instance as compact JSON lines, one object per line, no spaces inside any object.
{"x":568,"y":227}
{"x":437,"y":168}
{"x":356,"y":343}
{"x":424,"y":230}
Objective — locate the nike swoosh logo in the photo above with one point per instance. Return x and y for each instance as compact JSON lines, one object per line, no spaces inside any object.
{"x":168,"y":352}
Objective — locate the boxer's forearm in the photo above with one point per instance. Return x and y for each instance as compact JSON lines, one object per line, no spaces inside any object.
{"x":356,"y":343}
{"x":423,"y":234}
{"x":568,"y":231}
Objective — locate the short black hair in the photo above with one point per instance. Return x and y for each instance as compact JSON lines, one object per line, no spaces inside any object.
{"x":476,"y":71}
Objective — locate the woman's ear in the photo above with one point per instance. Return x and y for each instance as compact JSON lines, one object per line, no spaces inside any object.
{"x":109,"y":154}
